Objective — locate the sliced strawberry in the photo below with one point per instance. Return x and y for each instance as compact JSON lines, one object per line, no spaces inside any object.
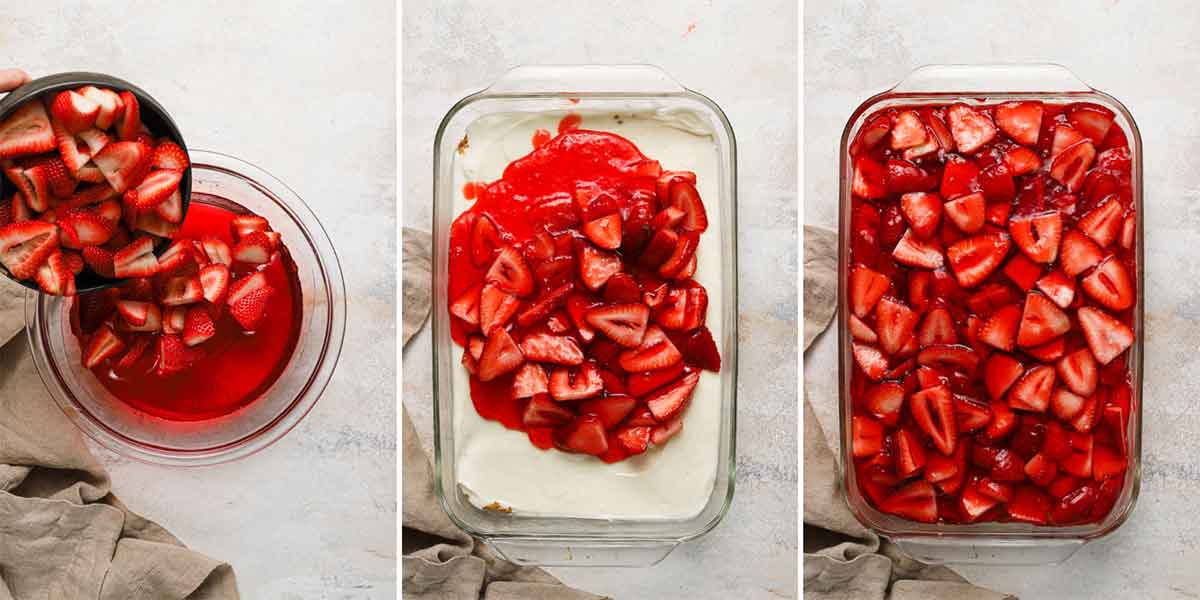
{"x":611,"y":409}
{"x":971,"y":129}
{"x":1103,"y":223}
{"x":1106,"y":336}
{"x":624,"y":324}
{"x":128,"y":122}
{"x":1041,"y":322}
{"x":1041,"y":470}
{"x":918,"y":253}
{"x":500,"y":355}
{"x":1107,"y":463}
{"x":903,"y":177}
{"x":173,"y":356}
{"x":1032,"y":392}
{"x":83,"y":227}
{"x":861,"y":332}
{"x":655,"y":352}
{"x":1070,"y":166}
{"x":1000,"y":373}
{"x":933,"y":410}
{"x":896,"y":323}
{"x":544,"y":412}
{"x":1089,"y":414}
{"x":923,"y":211}
{"x":1110,"y":285}
{"x":34,"y":184}
{"x":168,"y":155}
{"x":641,"y":383}
{"x":1029,"y":505}
{"x":910,"y":454}
{"x":605,"y":231}
{"x":247,"y":299}
{"x":496,"y":308}
{"x":74,"y":110}
{"x":178,"y":291}
{"x":1079,"y":372}
{"x":1021,"y":161}
{"x":959,"y":177}
{"x":1091,"y":121}
{"x":548,"y":348}
{"x":25,"y":245}
{"x":509,"y":272}
{"x":870,"y":178}
{"x":465,"y":307}
{"x":568,"y":384}
{"x":966,"y":212}
{"x":908,"y":131}
{"x":873,"y":363}
{"x":1128,"y":231}
{"x":214,"y":279}
{"x":174,"y":319}
{"x":1038,"y":236}
{"x":683,"y":196}
{"x":584,"y":435}
{"x":530,"y":381}
{"x":866,"y":436}
{"x":957,"y":357}
{"x":596,"y":266}
{"x":546,"y":305}
{"x":975,"y":258}
{"x":217,"y":250}
{"x":1058,"y":288}
{"x":198,"y":326}
{"x":937,"y":328}
{"x":659,"y":435}
{"x":866,"y":288}
{"x":634,"y":440}
{"x":123,"y":164}
{"x":970,"y":415}
{"x":1079,"y":253}
{"x":916,"y":501}
{"x":1022,"y":121}
{"x":26,"y":131}
{"x":1007,"y":466}
{"x":108,"y":104}
{"x":622,"y":288}
{"x":136,"y":260}
{"x":974,"y":503}
{"x":103,"y":345}
{"x":1066,"y":405}
{"x":1000,"y":330}
{"x":137,"y":349}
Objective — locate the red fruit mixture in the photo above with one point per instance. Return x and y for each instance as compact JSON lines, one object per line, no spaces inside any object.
{"x":90,"y":179}
{"x":991,"y":306}
{"x":202,"y":330}
{"x":571,"y":293}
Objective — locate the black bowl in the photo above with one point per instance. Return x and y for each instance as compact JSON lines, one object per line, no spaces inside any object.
{"x":153,"y":115}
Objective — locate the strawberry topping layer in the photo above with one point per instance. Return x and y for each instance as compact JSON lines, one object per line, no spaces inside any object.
{"x":571,"y":294}
{"x":991,"y":304}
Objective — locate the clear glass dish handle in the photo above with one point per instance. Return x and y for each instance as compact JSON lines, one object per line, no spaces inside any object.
{"x":993,"y":78}
{"x":570,"y":80}
{"x":582,"y":553}
{"x":989,"y":551}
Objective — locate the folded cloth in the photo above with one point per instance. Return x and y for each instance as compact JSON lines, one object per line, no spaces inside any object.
{"x":441,"y":561}
{"x":844,"y":560}
{"x":63,"y":534}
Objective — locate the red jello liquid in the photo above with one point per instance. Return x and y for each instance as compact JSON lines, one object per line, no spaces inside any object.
{"x":943,"y":428}
{"x":237,"y":366}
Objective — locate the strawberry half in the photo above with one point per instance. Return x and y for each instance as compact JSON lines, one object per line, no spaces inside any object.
{"x":530,"y":381}
{"x":128,"y":122}
{"x":178,"y":291}
{"x":548,"y":348}
{"x":1032,"y":391}
{"x":153,"y":190}
{"x":1000,"y":330}
{"x":26,"y":131}
{"x":83,"y":227}
{"x":465,"y":306}
{"x":866,"y":288}
{"x":496,"y":308}
{"x":1079,"y":372}
{"x":511,"y":273}
{"x":918,"y":253}
{"x":500,"y":355}
{"x":25,"y":245}
{"x":544,"y":412}
{"x":108,"y":104}
{"x":584,"y":435}
{"x":933,"y":410}
{"x":217,"y":251}
{"x":916,"y":501}
{"x":895,"y":324}
{"x":923,"y":211}
{"x":54,"y":277}
{"x":683,"y":196}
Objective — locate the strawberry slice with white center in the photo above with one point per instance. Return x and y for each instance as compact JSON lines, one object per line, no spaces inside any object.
{"x":128,"y":122}
{"x":153,"y":190}
{"x":966,"y":212}
{"x":75,"y":111}
{"x":884,"y":402}
{"x":1110,"y":285}
{"x":25,"y":245}
{"x":465,"y":307}
{"x":1022,"y":121}
{"x":544,"y":412}
{"x":1070,"y":166}
{"x":669,"y":401}
{"x":655,"y":352}
{"x":605,"y":231}
{"x":530,"y":381}
{"x":168,"y":155}
{"x":866,"y":288}
{"x":1041,"y":321}
{"x":140,"y":316}
{"x":971,"y":129}
{"x":923,"y":211}
{"x":243,"y":225}
{"x":1000,"y":330}
{"x":178,"y":256}
{"x":83,"y":227}
{"x":975,"y":258}
{"x":1058,"y":287}
{"x":94,"y":139}
{"x":108,"y":104}
{"x":496,"y":308}
{"x":136,"y":259}
{"x":500,"y":355}
{"x":26,"y":131}
{"x":1088,"y":415}
{"x":914,"y":252}
{"x":123,"y":164}
{"x":255,"y":248}
{"x":933,"y":410}
{"x":1103,"y":223}
{"x":584,"y":435}
{"x":171,"y":209}
{"x":895,"y":323}
{"x":548,"y":348}
{"x":248,"y":298}
{"x":217,"y":250}
{"x":54,"y":277}
{"x":1079,"y":372}
{"x":1079,"y":253}
{"x":683,"y":196}
{"x":869,"y":358}
{"x":682,"y":258}
{"x":937,"y":328}
{"x":34,"y":185}
{"x":103,"y":345}
{"x":1032,"y":391}
{"x":178,"y":291}
{"x":624,"y":324}
{"x":511,"y":273}
{"x":908,"y":131}
{"x":567,"y":384}
{"x":916,"y":501}
{"x":1106,"y":336}
{"x":198,"y":326}
{"x":1038,"y":236}
{"x":174,"y":319}
{"x":1066,"y":405}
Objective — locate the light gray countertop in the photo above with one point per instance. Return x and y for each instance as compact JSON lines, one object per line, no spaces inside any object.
{"x":309,"y":96}
{"x":743,"y":56}
{"x":1144,"y":54}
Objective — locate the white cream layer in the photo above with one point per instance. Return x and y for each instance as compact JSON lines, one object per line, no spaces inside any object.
{"x":499,"y":466}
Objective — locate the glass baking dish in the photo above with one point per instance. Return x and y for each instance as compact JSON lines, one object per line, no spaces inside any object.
{"x":990,"y":542}
{"x":590,"y":91}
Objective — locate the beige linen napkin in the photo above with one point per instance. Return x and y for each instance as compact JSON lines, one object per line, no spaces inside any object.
{"x":62,"y":532}
{"x":844,"y":560}
{"x":442,"y":562}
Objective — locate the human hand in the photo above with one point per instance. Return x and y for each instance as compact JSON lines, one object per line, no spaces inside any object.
{"x":11,"y":79}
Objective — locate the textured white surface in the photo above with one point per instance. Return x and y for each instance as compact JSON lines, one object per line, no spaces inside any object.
{"x":1144,"y":54}
{"x":307,"y":95}
{"x":743,"y":56}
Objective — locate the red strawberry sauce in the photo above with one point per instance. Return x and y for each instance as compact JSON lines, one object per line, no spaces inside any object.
{"x":964,"y":439}
{"x":538,"y":192}
{"x":235,"y":367}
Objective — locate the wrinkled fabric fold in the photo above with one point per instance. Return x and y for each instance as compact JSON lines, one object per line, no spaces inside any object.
{"x":63,"y":534}
{"x":859,"y":565}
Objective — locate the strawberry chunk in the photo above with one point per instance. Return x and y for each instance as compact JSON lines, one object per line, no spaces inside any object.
{"x":1103,"y":224}
{"x":567,"y":384}
{"x":1041,"y":321}
{"x":866,"y":288}
{"x":916,"y":501}
{"x":917,"y":253}
{"x":966,"y":212}
{"x":866,"y":436}
{"x":1032,"y":391}
{"x":655,"y":352}
{"x":1106,"y":336}
{"x":548,"y":348}
{"x":975,"y":258}
{"x":923,"y":211}
{"x":26,"y":131}
{"x":1022,"y":121}
{"x":1038,"y":236}
{"x":971,"y":129}
{"x":584,"y":435}
{"x":1110,"y":285}
{"x":895,"y":323}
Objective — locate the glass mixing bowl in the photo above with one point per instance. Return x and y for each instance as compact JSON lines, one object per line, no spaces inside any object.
{"x":130,"y":432}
